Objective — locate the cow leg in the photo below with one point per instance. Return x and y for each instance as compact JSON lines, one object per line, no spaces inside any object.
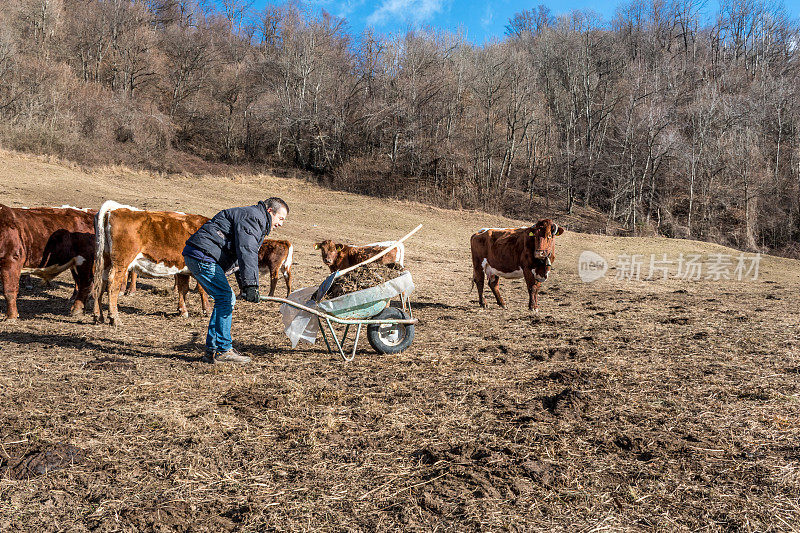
{"x":116,"y":278}
{"x":477,"y":279}
{"x":124,"y":282}
{"x":83,"y":281}
{"x":182,"y":284}
{"x":74,"y":295}
{"x":130,"y":287}
{"x":494,"y":284}
{"x":273,"y":280}
{"x":203,"y":299}
{"x":102,"y":280}
{"x":287,"y":276}
{"x":75,"y":307}
{"x":533,"y":290}
{"x":10,"y":275}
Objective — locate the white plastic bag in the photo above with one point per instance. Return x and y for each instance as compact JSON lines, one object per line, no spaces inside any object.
{"x":298,"y":324}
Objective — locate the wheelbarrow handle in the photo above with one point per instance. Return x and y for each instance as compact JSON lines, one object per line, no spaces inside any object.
{"x":336,"y":319}
{"x":378,"y":255}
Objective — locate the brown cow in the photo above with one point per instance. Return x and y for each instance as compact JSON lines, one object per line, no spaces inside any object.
{"x":275,"y":257}
{"x":44,"y":242}
{"x":514,"y":253}
{"x":148,"y":241}
{"x":340,"y":256}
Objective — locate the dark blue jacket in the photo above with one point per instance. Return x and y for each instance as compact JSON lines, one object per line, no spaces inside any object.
{"x":232,"y":235}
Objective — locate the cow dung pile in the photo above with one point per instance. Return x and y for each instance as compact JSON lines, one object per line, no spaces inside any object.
{"x":363,"y":277}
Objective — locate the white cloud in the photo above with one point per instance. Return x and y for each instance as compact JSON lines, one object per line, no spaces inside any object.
{"x":348,"y":7}
{"x":488,"y":16}
{"x":342,"y":9}
{"x":416,"y":11}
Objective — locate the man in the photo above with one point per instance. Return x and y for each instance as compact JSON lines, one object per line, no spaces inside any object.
{"x":231,"y":236}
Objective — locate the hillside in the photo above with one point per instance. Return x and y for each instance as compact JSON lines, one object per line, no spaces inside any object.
{"x":624,"y":405}
{"x":318,"y":213}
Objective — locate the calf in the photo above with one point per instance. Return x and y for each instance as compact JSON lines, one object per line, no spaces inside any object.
{"x":148,"y":241}
{"x":275,"y":257}
{"x":514,"y":253}
{"x":44,"y":242}
{"x":340,"y":256}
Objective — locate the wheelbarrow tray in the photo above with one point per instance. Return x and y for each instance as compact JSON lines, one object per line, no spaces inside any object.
{"x":366,"y":303}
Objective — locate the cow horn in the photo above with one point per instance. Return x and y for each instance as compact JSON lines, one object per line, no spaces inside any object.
{"x":555,"y":228}
{"x":548,"y":262}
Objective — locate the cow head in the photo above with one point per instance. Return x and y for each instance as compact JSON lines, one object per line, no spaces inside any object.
{"x":542,"y":245}
{"x":330,"y":251}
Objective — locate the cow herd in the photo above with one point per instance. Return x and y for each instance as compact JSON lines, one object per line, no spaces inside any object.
{"x":105,"y":249}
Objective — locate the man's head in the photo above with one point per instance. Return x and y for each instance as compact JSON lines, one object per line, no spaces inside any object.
{"x":278,"y":209}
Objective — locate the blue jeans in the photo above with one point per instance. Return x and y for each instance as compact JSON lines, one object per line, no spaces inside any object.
{"x":212,"y":278}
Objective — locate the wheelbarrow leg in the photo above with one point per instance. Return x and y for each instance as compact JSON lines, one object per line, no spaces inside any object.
{"x":324,"y":335}
{"x":406,"y":303}
{"x":340,"y":344}
{"x":355,"y":344}
{"x":335,"y":338}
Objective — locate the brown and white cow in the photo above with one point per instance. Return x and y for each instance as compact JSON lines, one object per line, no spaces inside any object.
{"x":275,"y":257}
{"x":338,"y":256}
{"x":44,"y":242}
{"x":514,"y":253}
{"x":147,"y":241}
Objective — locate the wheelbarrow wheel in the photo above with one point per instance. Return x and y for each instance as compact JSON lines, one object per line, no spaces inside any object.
{"x":390,"y":338}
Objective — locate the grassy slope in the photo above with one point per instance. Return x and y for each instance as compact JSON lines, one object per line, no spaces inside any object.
{"x":625,"y":405}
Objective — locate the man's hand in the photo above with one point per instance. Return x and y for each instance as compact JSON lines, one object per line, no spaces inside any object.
{"x":250,"y":294}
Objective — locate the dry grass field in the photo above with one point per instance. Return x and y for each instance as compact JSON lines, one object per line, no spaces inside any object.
{"x":662,"y":405}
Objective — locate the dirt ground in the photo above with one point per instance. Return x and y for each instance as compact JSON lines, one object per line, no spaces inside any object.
{"x":662,"y":405}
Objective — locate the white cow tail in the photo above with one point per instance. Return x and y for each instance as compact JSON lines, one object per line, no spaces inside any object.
{"x":287,"y":263}
{"x":100,"y":248}
{"x":50,"y":272}
{"x":102,"y":237}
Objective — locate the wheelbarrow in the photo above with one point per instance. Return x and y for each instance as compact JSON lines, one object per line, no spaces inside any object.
{"x":390,"y":330}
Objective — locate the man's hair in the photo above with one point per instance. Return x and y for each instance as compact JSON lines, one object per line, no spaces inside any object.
{"x":276,"y":203}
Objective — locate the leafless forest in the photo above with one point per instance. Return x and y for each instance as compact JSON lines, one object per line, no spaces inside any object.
{"x":665,"y":119}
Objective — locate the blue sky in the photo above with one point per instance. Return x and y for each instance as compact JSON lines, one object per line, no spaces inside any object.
{"x":479,"y":20}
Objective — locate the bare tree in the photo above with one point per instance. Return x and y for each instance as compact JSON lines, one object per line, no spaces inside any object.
{"x":659,"y":119}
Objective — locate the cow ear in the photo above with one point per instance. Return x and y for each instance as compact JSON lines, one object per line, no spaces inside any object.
{"x":339,"y":247}
{"x":559,"y":230}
